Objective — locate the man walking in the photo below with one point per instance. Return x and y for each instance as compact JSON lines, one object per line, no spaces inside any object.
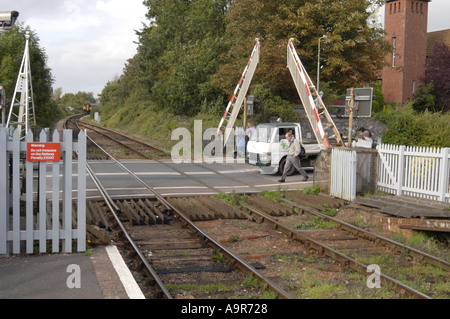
{"x":292,"y":158}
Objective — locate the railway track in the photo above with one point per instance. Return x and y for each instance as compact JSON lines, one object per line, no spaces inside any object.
{"x":115,"y":143}
{"x":356,"y":248}
{"x":123,"y":147}
{"x":145,"y":221}
{"x":166,"y":230}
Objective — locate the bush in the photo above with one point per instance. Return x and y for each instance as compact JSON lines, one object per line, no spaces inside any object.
{"x":271,"y":105}
{"x":406,"y":127}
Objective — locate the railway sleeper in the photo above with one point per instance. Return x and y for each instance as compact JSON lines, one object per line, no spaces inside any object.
{"x":145,"y":218}
{"x":130,"y":214}
{"x":194,"y":269}
{"x":162,"y":217}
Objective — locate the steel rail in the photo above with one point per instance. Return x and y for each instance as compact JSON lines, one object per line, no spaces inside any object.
{"x":234,"y":259}
{"x":149,"y":157}
{"x":332,"y":253}
{"x":125,"y":136}
{"x":113,"y":208}
{"x":119,"y":142}
{"x":375,"y":238}
{"x":157,"y":149}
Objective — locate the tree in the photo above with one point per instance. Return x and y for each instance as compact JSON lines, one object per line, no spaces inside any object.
{"x":352,"y":55}
{"x":434,"y":92}
{"x":77,"y":100}
{"x":57,"y":94}
{"x":12,"y":44}
{"x":266,"y":20}
{"x":178,"y":52}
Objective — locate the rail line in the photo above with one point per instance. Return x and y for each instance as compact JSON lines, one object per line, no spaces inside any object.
{"x":323,"y":249}
{"x":160,"y":160}
{"x":310,"y":239}
{"x":392,"y":245}
{"x":332,"y":243}
{"x":235,"y":261}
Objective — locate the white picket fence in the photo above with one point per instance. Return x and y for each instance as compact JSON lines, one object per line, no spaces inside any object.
{"x":343,"y":173}
{"x":415,"y":171}
{"x":43,"y":224}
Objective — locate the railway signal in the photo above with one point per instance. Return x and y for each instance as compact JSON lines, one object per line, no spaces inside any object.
{"x":21,"y":114}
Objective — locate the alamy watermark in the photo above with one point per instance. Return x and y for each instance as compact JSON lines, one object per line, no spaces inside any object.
{"x":374,"y":280}
{"x":74,"y":279}
{"x":207,"y":146}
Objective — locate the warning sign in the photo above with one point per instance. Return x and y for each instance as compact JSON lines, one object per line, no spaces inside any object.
{"x":43,"y":152}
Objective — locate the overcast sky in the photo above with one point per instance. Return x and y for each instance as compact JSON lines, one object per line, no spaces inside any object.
{"x":89,"y":41}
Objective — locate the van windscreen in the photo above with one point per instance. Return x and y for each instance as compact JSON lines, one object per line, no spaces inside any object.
{"x":263,"y":133}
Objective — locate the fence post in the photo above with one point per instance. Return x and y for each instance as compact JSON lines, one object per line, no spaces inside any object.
{"x":443,"y":177}
{"x":42,"y":204}
{"x":16,"y":191}
{"x":401,"y":170}
{"x":81,"y":204}
{"x":29,"y":199}
{"x":4,"y":192}
{"x":353,"y":167}
{"x":67,"y":191}
{"x":55,"y":199}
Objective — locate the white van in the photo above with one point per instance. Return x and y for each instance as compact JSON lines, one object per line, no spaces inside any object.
{"x":267,"y":147}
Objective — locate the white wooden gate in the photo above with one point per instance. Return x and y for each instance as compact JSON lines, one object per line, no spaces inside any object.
{"x":38,"y":221}
{"x":414,"y":171}
{"x":343,"y":174}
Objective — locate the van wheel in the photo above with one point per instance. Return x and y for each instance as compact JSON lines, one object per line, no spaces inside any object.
{"x":281,"y":168}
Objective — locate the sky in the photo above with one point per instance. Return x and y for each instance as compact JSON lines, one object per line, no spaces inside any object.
{"x":88,"y":42}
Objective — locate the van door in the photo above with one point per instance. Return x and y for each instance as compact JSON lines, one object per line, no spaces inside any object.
{"x":280,"y":143}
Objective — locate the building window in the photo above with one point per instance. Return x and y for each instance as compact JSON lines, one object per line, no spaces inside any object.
{"x":399,"y":4}
{"x":414,"y":87}
{"x":417,"y":7}
{"x":390,"y":9}
{"x":412,"y":6}
{"x":394,"y":44}
{"x":421,"y":8}
{"x":395,"y":7}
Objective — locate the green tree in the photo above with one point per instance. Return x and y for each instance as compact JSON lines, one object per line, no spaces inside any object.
{"x":352,"y":55}
{"x":425,"y":98}
{"x":355,"y":49}
{"x":77,"y":99}
{"x":178,"y":51}
{"x":12,"y":44}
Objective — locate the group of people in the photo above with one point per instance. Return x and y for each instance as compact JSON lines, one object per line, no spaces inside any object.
{"x":365,"y":139}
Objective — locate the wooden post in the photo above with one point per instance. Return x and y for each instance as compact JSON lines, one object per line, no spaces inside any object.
{"x":350,"y":120}
{"x":245,"y":114}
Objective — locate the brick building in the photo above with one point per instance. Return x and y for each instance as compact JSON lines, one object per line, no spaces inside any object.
{"x":406,"y":28}
{"x":442,"y":36}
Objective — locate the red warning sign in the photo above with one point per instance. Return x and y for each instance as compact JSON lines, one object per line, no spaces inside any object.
{"x":43,"y":152}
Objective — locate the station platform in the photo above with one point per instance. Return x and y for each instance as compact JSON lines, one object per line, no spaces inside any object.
{"x":101,"y":274}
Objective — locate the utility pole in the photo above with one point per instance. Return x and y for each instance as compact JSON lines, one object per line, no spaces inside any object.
{"x":350,"y":120}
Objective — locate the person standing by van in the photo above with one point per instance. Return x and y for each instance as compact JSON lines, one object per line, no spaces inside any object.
{"x":292,"y":158}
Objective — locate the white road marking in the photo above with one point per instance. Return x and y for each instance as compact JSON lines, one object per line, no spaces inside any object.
{"x":127,"y":279}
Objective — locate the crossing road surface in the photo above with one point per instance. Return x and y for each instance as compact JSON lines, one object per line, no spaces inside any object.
{"x":169,"y":178}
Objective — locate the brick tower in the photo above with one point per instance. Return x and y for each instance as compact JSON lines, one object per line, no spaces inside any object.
{"x":406,"y":25}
